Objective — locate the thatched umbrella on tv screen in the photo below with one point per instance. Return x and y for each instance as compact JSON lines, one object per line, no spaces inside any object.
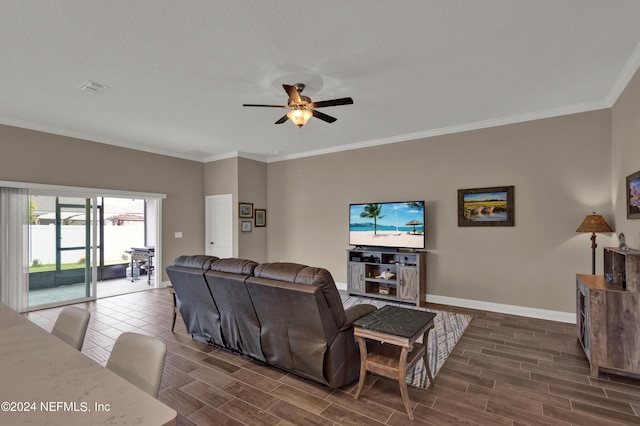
{"x":414,"y":223}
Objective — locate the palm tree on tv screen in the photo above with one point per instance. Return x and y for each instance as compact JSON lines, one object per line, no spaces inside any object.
{"x":372,"y":211}
{"x":418,"y":205}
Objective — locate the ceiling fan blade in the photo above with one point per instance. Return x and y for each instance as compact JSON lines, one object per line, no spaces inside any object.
{"x":282,"y":119}
{"x":293,"y":93}
{"x":322,"y":116}
{"x":332,"y":102}
{"x":261,"y":105}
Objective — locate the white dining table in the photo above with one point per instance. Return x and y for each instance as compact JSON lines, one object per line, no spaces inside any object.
{"x":45,"y":381}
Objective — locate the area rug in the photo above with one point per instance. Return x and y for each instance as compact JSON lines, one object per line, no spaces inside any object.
{"x":447,"y":330}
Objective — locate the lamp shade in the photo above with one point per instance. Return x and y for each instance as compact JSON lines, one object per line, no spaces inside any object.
{"x":594,"y":223}
{"x":299,"y":116}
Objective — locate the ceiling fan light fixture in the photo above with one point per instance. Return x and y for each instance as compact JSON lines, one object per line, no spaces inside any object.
{"x":301,"y":108}
{"x":299,"y":116}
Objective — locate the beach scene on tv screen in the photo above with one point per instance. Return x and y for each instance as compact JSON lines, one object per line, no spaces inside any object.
{"x":387,"y":224}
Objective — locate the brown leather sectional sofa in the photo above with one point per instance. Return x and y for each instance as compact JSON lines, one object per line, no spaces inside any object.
{"x":284,"y":314}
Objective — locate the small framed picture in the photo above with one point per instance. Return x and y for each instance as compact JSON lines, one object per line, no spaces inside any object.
{"x":486,"y":206}
{"x":245,"y":210}
{"x":633,"y":196}
{"x":261,"y":218}
{"x":245,"y":225}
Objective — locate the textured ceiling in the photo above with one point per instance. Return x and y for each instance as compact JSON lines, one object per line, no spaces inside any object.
{"x":179,"y":71}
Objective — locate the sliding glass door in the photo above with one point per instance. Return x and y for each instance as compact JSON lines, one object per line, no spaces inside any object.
{"x":53,"y":239}
{"x":60,"y":250}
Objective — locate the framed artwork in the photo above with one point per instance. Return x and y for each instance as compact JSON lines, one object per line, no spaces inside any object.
{"x":245,"y":210}
{"x":245,"y":225}
{"x":486,"y":206}
{"x":261,"y":218}
{"x":633,"y":196}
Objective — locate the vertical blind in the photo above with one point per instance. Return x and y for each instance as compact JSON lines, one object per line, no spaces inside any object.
{"x":14,"y":229}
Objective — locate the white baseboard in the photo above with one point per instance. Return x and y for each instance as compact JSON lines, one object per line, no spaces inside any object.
{"x":567,"y":317}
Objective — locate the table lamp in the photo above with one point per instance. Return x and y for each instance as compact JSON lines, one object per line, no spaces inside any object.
{"x":594,"y":223}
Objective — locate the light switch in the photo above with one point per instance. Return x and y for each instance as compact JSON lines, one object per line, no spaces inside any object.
{"x":178,"y":235}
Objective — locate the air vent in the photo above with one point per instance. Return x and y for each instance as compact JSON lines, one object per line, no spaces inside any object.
{"x":93,"y":87}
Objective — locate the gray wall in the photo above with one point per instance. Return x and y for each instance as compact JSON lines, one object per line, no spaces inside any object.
{"x":252,"y":188}
{"x":561,"y":169}
{"x":626,"y":158}
{"x":37,"y":157}
{"x":246,"y":181}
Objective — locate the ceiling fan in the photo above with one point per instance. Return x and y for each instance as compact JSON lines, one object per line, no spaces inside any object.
{"x":302,"y":107}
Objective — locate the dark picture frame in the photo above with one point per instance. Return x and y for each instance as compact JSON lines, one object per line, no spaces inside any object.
{"x":261,"y":218}
{"x":245,"y":225}
{"x":493,"y":206}
{"x":633,"y":196}
{"x":245,"y":210}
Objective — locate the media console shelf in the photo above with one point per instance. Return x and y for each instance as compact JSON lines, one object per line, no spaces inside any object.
{"x":608,"y":314}
{"x":397,"y":276}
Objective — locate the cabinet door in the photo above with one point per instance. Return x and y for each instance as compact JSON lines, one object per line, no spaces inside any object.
{"x":407,"y":283}
{"x":355,"y":280}
{"x":583,"y":318}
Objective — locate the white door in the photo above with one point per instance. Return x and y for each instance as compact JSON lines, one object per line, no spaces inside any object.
{"x":219,"y":225}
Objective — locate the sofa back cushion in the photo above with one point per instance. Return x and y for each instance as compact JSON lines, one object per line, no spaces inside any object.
{"x":197,"y":307}
{"x":198,"y":261}
{"x":234,"y":266}
{"x":296,"y":312}
{"x":239,"y":324}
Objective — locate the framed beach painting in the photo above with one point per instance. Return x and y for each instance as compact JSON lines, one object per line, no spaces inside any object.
{"x":486,"y":206}
{"x":245,"y":210}
{"x":261,"y":218}
{"x":633,"y":196}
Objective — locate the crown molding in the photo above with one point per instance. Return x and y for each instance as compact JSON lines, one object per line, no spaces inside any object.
{"x":625,"y":76}
{"x":236,"y":154}
{"x":224,"y":156}
{"x":520,"y":118}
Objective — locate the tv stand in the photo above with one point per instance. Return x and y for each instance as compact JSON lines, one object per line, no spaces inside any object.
{"x":390,"y":275}
{"x":377,"y":249}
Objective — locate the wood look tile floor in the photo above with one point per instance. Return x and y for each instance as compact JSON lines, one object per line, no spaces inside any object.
{"x":505,"y":370}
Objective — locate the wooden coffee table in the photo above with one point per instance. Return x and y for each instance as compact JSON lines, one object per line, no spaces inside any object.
{"x":398,"y":329}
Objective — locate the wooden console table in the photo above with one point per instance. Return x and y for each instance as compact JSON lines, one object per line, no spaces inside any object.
{"x":398,"y":329}
{"x":607,"y":319}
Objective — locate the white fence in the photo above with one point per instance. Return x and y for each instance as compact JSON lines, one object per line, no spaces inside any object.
{"x":117,"y":239}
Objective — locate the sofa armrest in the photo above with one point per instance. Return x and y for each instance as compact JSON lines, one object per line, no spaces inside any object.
{"x":354,"y":312}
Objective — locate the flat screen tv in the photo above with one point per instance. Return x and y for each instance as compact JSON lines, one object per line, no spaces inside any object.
{"x":392,"y":224}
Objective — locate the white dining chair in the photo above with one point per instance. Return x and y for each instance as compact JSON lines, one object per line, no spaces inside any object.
{"x":139,"y":359}
{"x":71,"y":326}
